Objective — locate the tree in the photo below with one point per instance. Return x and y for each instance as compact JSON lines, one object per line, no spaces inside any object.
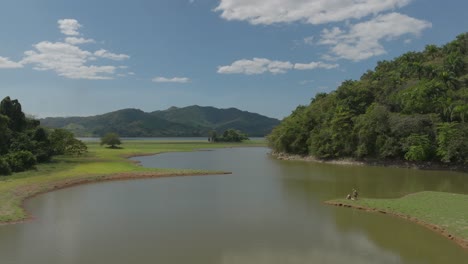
{"x":418,"y":147}
{"x":111,"y":139}
{"x":395,"y":111}
{"x":23,"y":142}
{"x":213,"y":136}
{"x":432,"y":51}
{"x":21,"y":160}
{"x":12,"y":109}
{"x":5,"y":135}
{"x":451,"y":142}
{"x":63,"y":142}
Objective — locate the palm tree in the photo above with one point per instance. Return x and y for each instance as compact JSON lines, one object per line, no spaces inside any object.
{"x":432,"y":51}
{"x":448,"y":78}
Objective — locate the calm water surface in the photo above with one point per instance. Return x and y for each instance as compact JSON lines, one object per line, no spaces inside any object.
{"x":267,"y":211}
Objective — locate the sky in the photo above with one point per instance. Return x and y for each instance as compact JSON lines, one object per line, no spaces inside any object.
{"x":88,"y":57}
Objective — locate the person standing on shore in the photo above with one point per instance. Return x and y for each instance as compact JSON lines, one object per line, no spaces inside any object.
{"x":355,"y":194}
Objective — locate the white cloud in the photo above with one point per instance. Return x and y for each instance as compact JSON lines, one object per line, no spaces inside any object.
{"x":69,"y":26}
{"x":77,"y":41}
{"x":66,"y":60}
{"x":256,"y":66}
{"x":314,"y":65}
{"x":69,"y":60}
{"x":267,"y":12}
{"x":262,"y":65}
{"x":109,"y":55}
{"x":6,"y":63}
{"x":171,"y":80}
{"x":363,"y":40}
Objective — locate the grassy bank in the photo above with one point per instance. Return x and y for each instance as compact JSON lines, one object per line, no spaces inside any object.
{"x":99,"y":164}
{"x":445,"y":213}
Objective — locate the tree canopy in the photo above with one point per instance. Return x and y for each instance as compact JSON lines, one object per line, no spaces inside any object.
{"x":111,"y":139}
{"x":414,"y":107}
{"x":24,"y":143}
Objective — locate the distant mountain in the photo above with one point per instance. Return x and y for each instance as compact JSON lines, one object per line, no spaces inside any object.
{"x":175,"y":122}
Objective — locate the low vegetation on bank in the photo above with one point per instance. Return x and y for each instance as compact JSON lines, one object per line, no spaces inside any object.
{"x":98,"y":164}
{"x":446,"y":213}
{"x":412,"y":108}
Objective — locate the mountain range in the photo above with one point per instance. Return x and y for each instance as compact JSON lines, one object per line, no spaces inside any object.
{"x":174,"y":122}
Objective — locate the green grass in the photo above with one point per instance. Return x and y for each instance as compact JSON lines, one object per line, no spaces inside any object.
{"x":446,"y":210}
{"x":96,"y":165}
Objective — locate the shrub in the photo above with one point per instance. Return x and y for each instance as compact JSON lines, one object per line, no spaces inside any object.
{"x":4,"y":167}
{"x":21,"y":160}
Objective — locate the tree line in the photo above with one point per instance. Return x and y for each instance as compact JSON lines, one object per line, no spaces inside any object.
{"x":24,"y":143}
{"x":413,"y":108}
{"x":230,"y":135}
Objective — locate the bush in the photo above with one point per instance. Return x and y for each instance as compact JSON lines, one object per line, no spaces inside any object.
{"x":4,"y":167}
{"x":21,"y":160}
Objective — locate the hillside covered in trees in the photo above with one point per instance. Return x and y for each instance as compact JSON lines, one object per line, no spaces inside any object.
{"x":414,"y":107}
{"x":24,"y":143}
{"x":174,"y":122}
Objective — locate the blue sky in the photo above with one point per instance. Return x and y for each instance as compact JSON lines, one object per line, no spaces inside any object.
{"x":78,"y":58}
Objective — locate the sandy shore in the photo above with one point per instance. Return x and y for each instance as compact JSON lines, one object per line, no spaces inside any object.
{"x":458,"y":240}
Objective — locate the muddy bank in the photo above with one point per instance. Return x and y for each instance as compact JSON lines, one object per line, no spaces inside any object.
{"x":373,"y":162}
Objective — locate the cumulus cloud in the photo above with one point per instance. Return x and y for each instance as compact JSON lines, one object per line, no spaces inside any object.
{"x":66,"y":58}
{"x":6,"y":63}
{"x":267,"y":12}
{"x":262,"y":65}
{"x":109,"y":55}
{"x":256,"y":66}
{"x":77,"y":41}
{"x":364,"y":40}
{"x":69,"y":26}
{"x":171,"y":80}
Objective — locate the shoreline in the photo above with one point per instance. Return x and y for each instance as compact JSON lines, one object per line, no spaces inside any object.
{"x":435,"y":228}
{"x":54,"y":186}
{"x":100,"y":164}
{"x":381,"y":163}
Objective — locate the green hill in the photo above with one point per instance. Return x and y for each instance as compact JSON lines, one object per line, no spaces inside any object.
{"x":174,"y":122}
{"x":414,"y":108}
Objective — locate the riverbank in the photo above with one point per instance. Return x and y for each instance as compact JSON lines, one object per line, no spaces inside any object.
{"x":99,"y":164}
{"x":374,"y":162}
{"x":444,"y":213}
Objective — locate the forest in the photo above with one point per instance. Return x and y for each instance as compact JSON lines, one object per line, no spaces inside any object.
{"x":24,"y":143}
{"x":414,"y":108}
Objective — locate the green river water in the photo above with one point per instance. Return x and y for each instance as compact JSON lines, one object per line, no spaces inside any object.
{"x":268,"y":211}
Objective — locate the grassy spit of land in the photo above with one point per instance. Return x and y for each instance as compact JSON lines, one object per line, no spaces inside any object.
{"x":445,"y":213}
{"x":99,"y":164}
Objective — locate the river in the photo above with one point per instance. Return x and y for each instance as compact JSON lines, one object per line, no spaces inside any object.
{"x":267,"y":211}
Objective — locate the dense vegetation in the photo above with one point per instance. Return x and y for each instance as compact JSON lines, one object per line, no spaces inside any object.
{"x":414,"y":107}
{"x":23,"y":142}
{"x":175,"y":122}
{"x":230,"y":135}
